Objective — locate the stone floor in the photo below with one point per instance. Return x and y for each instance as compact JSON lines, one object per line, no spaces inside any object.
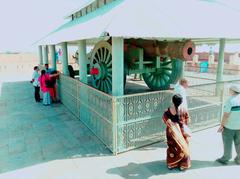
{"x":31,"y":133}
{"x":49,"y":142}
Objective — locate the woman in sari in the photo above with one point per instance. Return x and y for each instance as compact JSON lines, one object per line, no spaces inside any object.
{"x":48,"y":90}
{"x":178,"y":149}
{"x":45,"y":90}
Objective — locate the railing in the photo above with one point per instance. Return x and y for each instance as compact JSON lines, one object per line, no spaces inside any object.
{"x":132,"y":121}
{"x":139,"y":116}
{"x":91,"y":106}
{"x":139,"y":119}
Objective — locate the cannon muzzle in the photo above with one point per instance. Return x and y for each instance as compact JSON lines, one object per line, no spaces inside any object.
{"x":183,"y":50}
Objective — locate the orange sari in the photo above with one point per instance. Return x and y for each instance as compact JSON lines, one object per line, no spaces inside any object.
{"x":178,"y":154}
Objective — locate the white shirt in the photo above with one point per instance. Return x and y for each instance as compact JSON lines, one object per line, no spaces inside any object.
{"x":35,"y":76}
{"x":233,"y":121}
{"x":179,"y":89}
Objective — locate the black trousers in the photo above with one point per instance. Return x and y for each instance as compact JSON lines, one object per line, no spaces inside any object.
{"x":37,"y":93}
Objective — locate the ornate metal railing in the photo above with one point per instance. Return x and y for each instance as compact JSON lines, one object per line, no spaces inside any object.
{"x":139,"y":116}
{"x":139,"y":119}
{"x":91,"y":106}
{"x":132,"y":121}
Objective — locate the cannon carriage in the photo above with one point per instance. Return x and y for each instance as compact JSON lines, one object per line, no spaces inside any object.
{"x":159,"y":62}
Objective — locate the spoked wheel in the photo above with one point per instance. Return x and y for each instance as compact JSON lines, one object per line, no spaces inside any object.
{"x":101,"y":60}
{"x":169,"y":72}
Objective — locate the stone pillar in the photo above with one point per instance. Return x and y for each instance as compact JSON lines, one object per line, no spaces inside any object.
{"x":53,"y":57}
{"x":117,"y":67}
{"x":45,"y":54}
{"x":82,"y":60}
{"x":40,"y":56}
{"x":64,"y":58}
{"x":183,"y":69}
{"x":220,"y":67}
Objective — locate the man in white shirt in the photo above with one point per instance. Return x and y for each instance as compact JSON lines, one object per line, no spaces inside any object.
{"x":35,"y":83}
{"x":180,"y":88}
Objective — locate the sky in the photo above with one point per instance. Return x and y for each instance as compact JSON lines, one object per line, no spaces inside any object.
{"x":23,"y":22}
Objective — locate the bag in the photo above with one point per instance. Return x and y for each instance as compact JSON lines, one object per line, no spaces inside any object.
{"x":49,"y":83}
{"x":187,"y":131}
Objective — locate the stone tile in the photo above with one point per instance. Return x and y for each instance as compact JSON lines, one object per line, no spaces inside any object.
{"x":76,"y":152}
{"x":51,"y":148}
{"x":17,"y":147}
{"x":70,"y":142}
{"x":34,"y":156}
{"x":4,"y":151}
{"x":4,"y":142}
{"x":4,"y":133}
{"x":16,"y":133}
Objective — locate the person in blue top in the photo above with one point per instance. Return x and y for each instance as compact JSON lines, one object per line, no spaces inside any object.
{"x":230,"y":126}
{"x":47,"y":69}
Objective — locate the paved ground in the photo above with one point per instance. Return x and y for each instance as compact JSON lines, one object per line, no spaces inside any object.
{"x":48,"y":142}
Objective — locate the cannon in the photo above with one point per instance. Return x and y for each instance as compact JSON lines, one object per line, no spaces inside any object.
{"x":159,"y":62}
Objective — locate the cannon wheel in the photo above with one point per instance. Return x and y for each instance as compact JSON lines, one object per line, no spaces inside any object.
{"x":102,"y":60}
{"x":170,"y":71}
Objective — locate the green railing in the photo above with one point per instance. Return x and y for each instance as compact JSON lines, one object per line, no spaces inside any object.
{"x":132,"y":121}
{"x":91,"y":106}
{"x":139,"y":119}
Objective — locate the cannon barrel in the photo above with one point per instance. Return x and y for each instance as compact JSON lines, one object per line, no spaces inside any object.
{"x":183,"y":50}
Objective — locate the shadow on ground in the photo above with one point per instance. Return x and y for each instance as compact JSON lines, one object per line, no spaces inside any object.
{"x":31,"y":133}
{"x":156,"y":168}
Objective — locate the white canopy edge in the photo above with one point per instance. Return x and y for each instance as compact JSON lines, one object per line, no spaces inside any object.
{"x":156,"y":19}
{"x":84,"y":4}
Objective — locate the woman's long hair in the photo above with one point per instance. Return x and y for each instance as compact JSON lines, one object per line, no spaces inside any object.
{"x":43,"y":72}
{"x":177,"y":101}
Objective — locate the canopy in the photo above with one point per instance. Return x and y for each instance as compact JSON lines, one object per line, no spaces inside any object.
{"x":153,"y":19}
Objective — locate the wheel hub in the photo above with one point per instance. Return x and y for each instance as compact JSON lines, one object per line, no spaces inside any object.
{"x":102,"y":70}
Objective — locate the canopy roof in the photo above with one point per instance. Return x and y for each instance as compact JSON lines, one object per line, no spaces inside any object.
{"x":153,"y":19}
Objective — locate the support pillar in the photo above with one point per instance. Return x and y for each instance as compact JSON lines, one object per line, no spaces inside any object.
{"x":53,"y":57}
{"x":40,"y":56}
{"x":64,"y":58}
{"x":82,"y":60}
{"x":117,"y":66}
{"x":220,"y":67}
{"x":183,"y":69}
{"x":45,"y":54}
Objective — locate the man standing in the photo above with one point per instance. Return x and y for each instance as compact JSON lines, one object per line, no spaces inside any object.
{"x":230,"y":126}
{"x":47,"y":69}
{"x":181,"y":89}
{"x":35,"y":83}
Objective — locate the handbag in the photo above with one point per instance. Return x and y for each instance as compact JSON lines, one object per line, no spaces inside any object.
{"x":187,"y":131}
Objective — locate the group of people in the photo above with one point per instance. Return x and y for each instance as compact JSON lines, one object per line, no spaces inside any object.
{"x":176,"y":118}
{"x":46,"y":82}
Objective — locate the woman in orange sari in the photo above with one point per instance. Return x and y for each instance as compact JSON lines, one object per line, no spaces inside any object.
{"x":178,"y":149}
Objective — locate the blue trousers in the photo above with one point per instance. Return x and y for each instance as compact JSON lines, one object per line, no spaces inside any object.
{"x":46,"y":98}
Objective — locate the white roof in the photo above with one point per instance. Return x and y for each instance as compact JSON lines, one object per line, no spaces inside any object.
{"x":84,"y":3}
{"x":171,"y":19}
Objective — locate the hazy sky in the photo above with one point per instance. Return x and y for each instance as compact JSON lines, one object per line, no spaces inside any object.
{"x":22,"y":22}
